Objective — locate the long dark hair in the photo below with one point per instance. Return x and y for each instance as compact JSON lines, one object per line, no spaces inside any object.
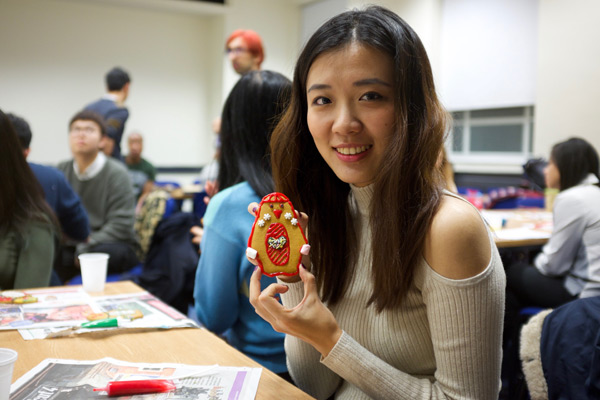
{"x":249,"y":115}
{"x":21,"y":196}
{"x":407,"y":190}
{"x":575,"y":159}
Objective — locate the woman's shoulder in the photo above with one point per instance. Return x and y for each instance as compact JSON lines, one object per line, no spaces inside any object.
{"x":457,"y":244}
{"x":231,"y":202}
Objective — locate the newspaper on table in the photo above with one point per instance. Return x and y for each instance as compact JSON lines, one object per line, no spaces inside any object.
{"x":57,"y":310}
{"x":59,"y":379}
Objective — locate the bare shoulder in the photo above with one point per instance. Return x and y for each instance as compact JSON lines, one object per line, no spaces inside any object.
{"x":457,"y":245}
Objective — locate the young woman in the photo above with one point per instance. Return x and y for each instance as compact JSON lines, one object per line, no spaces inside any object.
{"x":223,"y":275}
{"x":405,"y":294}
{"x":27,"y":224}
{"x":569,"y":264}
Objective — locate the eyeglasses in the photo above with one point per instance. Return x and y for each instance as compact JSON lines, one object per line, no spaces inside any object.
{"x":86,"y":130}
{"x":236,"y":50}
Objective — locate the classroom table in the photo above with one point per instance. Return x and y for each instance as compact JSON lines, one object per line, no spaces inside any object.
{"x":521,"y":227}
{"x":183,"y":346}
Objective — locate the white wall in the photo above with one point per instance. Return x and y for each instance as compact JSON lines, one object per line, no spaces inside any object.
{"x":568,"y":77}
{"x":55,"y":54}
{"x":488,"y":53}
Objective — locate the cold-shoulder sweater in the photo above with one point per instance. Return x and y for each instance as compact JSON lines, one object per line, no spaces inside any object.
{"x":443,"y":342}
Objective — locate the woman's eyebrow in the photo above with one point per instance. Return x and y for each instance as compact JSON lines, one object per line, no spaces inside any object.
{"x":371,"y":81}
{"x":318,"y":86}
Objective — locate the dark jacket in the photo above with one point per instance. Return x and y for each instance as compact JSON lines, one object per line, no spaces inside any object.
{"x":170,"y":266}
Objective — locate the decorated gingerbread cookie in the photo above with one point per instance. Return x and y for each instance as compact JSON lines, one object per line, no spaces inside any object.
{"x":277,"y":236}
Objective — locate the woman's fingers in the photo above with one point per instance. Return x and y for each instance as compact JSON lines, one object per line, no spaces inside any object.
{"x":251,"y":256}
{"x":252,"y":208}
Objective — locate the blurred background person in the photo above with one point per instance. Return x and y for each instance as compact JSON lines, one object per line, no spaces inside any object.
{"x":221,"y":291}
{"x":112,"y":108}
{"x":27,"y":224}
{"x":245,"y":50}
{"x":141,"y":171}
{"x":59,"y":195}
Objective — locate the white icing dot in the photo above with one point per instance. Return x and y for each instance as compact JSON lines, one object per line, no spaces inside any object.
{"x":294,"y":221}
{"x":288,"y":215}
{"x":261,"y":223}
{"x":267,"y":217}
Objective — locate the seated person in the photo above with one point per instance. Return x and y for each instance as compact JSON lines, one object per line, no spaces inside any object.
{"x":59,"y":195}
{"x":142,"y":173}
{"x":106,"y":192}
{"x":568,"y":267}
{"x":223,"y":274}
{"x":27,"y":225}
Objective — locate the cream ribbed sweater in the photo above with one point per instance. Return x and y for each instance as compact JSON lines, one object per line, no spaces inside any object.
{"x":444,"y":342}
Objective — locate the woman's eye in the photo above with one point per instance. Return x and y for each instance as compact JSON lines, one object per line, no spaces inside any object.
{"x":319,"y":101}
{"x":371,"y":96}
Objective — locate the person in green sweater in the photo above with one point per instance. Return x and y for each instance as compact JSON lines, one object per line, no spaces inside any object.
{"x":141,"y":171}
{"x":106,"y":192}
{"x":28,"y":227}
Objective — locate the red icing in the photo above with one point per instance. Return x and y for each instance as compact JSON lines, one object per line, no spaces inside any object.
{"x":278,"y":256}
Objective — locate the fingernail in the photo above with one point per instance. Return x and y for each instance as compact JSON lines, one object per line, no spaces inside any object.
{"x":305,"y":249}
{"x":254,"y":209}
{"x":303,"y":267}
{"x":250,"y":252}
{"x":255,"y":268}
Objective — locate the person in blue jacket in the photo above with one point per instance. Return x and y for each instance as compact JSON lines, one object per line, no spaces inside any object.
{"x":223,"y":274}
{"x":59,"y":195}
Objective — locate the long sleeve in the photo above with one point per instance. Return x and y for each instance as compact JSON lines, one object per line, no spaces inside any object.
{"x":119,"y":209}
{"x":558,"y":255}
{"x":70,"y":212}
{"x":36,"y":256}
{"x":216,"y":291}
{"x":304,"y":360}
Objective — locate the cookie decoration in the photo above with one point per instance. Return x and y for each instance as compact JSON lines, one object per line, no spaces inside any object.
{"x":277,"y":236}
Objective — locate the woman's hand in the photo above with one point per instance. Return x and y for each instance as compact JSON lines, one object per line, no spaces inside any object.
{"x":310,"y":321}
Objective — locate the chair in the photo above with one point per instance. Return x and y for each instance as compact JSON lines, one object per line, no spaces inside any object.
{"x":560,"y":351}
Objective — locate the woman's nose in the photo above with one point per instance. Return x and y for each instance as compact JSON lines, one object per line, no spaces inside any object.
{"x":346,"y":121}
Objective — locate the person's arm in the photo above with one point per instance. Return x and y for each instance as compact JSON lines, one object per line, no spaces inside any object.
{"x":120,"y":211}
{"x":464,"y":296}
{"x":70,"y":212}
{"x":216,"y":288}
{"x":36,"y":257}
{"x":556,"y":258}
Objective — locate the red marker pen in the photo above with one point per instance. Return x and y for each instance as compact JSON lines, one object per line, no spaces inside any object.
{"x":121,"y":388}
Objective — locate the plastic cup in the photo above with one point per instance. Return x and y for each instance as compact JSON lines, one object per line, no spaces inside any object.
{"x":93,"y":271}
{"x":7,"y":363}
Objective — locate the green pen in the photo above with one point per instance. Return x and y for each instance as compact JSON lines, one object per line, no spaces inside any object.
{"x":102,"y":323}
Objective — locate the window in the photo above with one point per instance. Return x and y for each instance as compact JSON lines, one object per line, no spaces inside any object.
{"x":500,"y":136}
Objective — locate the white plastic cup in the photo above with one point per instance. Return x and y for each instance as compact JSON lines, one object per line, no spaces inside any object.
{"x":7,"y":363}
{"x":93,"y":271}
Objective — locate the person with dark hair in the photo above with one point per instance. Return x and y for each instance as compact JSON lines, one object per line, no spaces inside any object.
{"x":403,"y":294}
{"x":106,"y":192}
{"x":111,"y":107}
{"x":27,"y":224}
{"x":58,"y":193}
{"x":568,"y":267}
{"x":569,"y":264}
{"x":245,"y":50}
{"x":223,"y":274}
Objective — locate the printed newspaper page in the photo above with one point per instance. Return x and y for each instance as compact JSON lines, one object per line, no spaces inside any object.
{"x":56,"y":379}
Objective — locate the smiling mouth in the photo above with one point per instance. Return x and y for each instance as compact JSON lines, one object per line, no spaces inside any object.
{"x":353,"y":150}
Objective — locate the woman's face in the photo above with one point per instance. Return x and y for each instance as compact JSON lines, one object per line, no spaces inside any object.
{"x":551,"y":175}
{"x":350,"y":99}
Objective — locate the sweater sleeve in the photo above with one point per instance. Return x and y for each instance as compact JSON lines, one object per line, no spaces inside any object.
{"x":216,"y":291}
{"x":35,"y":259}
{"x":465,"y":319}
{"x":557,"y":256}
{"x":317,"y":380}
{"x":120,"y":211}
{"x":70,"y":212}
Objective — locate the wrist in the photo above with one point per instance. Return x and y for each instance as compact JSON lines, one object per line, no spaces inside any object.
{"x":326,"y":343}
